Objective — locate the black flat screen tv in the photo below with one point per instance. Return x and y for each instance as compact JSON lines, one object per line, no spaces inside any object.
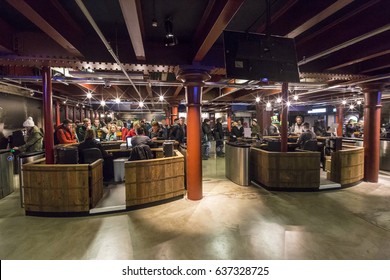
{"x":253,"y":56}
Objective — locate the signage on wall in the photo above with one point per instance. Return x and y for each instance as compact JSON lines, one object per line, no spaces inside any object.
{"x":317,"y":110}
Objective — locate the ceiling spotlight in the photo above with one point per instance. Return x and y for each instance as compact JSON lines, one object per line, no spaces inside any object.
{"x":268,"y":104}
{"x":64,"y":102}
{"x":279,"y":100}
{"x":161,"y":98}
{"x":141,"y":104}
{"x":170,"y":38}
{"x":344,"y":102}
{"x":351,"y":107}
{"x":295,"y":97}
{"x":117,"y":100}
{"x":103,"y":103}
{"x":288,"y":103}
{"x":32,"y":93}
{"x":89,"y":95}
{"x":77,"y":104}
{"x":257,"y":99}
{"x":83,"y":106}
{"x":359,"y":102}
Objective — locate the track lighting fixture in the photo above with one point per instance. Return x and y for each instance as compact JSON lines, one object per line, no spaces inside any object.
{"x":170,"y":38}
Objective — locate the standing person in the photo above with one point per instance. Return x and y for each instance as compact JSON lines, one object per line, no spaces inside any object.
{"x":235,"y":133}
{"x":350,"y":128}
{"x":179,"y":131}
{"x":100,"y":129}
{"x":218,"y":135}
{"x":80,"y":130}
{"x":297,"y":128}
{"x":34,"y":142}
{"x":206,"y":139}
{"x":155,"y":132}
{"x":240,"y":128}
{"x":165,"y":129}
{"x":65,"y":133}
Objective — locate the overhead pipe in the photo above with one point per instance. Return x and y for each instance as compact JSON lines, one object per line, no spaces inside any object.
{"x":105,"y":42}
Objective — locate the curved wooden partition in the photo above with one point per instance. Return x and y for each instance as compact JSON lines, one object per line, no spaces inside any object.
{"x":295,"y":170}
{"x":62,"y":189}
{"x":154,"y":180}
{"x":347,"y":165}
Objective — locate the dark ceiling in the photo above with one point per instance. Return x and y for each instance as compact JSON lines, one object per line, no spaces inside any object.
{"x":343,"y":47}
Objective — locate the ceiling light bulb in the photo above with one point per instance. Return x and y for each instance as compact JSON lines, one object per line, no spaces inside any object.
{"x":154,"y":22}
{"x":279,"y":100}
{"x":117,"y":100}
{"x":161,"y":98}
{"x":103,"y":103}
{"x":295,"y":97}
{"x":359,"y":102}
{"x":268,"y":104}
{"x":64,"y":102}
{"x":77,"y":105}
{"x":89,"y":95}
{"x":351,"y":107}
{"x":141,"y":104}
{"x":344,"y":102}
{"x":257,"y":99}
{"x":288,"y":103}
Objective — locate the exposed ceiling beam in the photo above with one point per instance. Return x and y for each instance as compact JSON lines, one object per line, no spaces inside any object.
{"x":25,"y":9}
{"x":318,"y":18}
{"x":216,"y":27}
{"x":225,"y":92}
{"x":177,"y":91}
{"x":336,"y":22}
{"x":358,"y":60}
{"x":345,"y":44}
{"x":279,"y":13}
{"x":132,"y":19}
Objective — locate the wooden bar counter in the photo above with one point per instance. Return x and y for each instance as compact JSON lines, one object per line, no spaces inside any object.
{"x":154,"y":180}
{"x":291,"y":170}
{"x":62,"y":189}
{"x":346,"y":166}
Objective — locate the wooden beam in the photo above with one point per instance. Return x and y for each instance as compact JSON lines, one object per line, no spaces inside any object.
{"x":359,"y":60}
{"x":6,"y":37}
{"x":132,"y":19}
{"x":319,"y":17}
{"x":278,"y":14}
{"x":177,"y":91}
{"x":215,"y":27}
{"x":39,"y":21}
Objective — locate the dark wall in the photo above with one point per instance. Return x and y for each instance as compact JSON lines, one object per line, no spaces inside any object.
{"x":14,"y":110}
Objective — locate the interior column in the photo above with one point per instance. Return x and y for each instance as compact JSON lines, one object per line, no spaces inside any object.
{"x":340,"y":120}
{"x":174,"y":113}
{"x":284,"y":118}
{"x":47,"y":115}
{"x":193,"y":80}
{"x":372,"y":118}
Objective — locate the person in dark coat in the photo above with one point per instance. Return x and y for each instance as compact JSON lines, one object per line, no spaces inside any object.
{"x":218,"y":135}
{"x":179,"y":131}
{"x":206,"y":139}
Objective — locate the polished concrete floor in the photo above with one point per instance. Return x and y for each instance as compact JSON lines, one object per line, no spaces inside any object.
{"x":230,"y":222}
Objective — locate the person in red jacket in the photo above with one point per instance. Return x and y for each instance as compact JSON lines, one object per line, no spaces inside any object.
{"x":65,"y":133}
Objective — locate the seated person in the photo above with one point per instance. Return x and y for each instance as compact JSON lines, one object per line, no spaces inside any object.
{"x":273,"y":129}
{"x":65,"y":133}
{"x":141,"y":138}
{"x":111,"y":135}
{"x":90,"y":142}
{"x":306,"y":135}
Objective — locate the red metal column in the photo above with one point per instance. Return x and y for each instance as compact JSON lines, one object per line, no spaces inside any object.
{"x":58,"y":113}
{"x":167,"y":115}
{"x":229,"y":120}
{"x":193,"y":80}
{"x":340,"y":120}
{"x":174,"y":113}
{"x":47,"y":115}
{"x":284,"y":118}
{"x":372,"y":118}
